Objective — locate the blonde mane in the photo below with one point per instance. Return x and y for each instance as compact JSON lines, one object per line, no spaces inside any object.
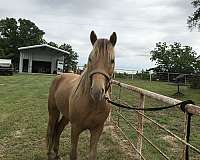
{"x":101,"y":50}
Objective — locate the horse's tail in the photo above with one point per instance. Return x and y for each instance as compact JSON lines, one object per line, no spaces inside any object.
{"x":54,"y":114}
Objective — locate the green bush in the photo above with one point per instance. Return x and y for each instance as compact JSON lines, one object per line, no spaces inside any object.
{"x":195,"y":82}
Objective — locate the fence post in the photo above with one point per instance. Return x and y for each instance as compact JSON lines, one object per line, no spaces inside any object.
{"x":150,"y":77}
{"x":185,"y":79}
{"x":119,"y":96}
{"x":168,"y":77}
{"x":186,"y":135}
{"x":140,"y":126}
{"x":110,"y":114}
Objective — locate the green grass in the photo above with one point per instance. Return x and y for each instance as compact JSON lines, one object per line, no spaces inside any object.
{"x":23,"y":122}
{"x":172,"y":119}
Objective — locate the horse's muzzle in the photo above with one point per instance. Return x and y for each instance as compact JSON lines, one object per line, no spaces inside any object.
{"x":97,"y":94}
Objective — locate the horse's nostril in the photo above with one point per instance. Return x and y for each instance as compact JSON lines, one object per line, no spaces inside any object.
{"x":102,"y":91}
{"x":97,"y":94}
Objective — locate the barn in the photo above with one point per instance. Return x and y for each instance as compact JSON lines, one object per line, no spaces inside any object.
{"x":40,"y":59}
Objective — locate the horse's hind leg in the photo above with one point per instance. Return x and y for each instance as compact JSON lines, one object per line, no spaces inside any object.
{"x":51,"y":129}
{"x":59,"y":128}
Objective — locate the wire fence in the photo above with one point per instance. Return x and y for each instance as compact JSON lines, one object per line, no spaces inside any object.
{"x":153,"y":135}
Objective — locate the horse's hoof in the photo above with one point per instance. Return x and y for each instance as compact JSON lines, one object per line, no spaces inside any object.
{"x":53,"y":156}
{"x":58,"y":157}
{"x":73,"y":157}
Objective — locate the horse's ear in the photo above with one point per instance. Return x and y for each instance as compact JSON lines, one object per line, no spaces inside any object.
{"x":113,"y":38}
{"x":93,"y":37}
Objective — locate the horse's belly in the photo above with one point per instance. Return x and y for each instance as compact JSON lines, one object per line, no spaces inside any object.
{"x":63,"y":93}
{"x":62,"y":103}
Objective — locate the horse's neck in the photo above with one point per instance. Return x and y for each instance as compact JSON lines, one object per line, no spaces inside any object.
{"x":83,"y":87}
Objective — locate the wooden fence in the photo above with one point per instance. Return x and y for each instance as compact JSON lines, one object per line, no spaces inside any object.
{"x":192,"y":109}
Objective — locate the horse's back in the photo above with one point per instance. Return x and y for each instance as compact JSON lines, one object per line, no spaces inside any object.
{"x":60,"y":91}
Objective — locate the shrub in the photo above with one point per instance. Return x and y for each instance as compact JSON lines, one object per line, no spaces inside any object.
{"x":195,"y":82}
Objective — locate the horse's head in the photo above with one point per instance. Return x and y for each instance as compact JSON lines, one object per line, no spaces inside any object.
{"x":101,"y":64}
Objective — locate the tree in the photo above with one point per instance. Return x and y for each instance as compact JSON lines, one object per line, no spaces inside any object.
{"x":8,"y":37}
{"x":174,"y":58}
{"x":29,"y":33}
{"x":71,"y":59}
{"x":15,"y":34}
{"x":53,"y":44}
{"x":194,"y":20}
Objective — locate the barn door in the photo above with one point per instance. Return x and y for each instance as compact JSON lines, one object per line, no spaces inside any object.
{"x":25,"y":65}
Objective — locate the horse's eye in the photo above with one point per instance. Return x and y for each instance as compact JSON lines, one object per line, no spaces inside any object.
{"x":112,"y":61}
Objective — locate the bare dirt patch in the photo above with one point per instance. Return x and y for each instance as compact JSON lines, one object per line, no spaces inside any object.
{"x":1,"y":151}
{"x":18,"y":133}
{"x":123,"y":143}
{"x":172,"y":141}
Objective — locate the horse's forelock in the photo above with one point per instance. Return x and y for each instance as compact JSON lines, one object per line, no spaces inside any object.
{"x":102,"y":47}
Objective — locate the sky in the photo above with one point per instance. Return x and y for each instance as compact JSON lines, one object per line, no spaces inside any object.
{"x":139,"y":25}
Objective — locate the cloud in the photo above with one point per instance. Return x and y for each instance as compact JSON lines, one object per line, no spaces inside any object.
{"x":139,"y":24}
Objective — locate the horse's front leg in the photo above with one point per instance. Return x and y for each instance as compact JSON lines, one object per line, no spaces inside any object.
{"x":95,"y":135}
{"x":75,"y":132}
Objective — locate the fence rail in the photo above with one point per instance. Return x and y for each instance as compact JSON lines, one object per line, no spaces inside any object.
{"x":193,"y":109}
{"x":190,"y":108}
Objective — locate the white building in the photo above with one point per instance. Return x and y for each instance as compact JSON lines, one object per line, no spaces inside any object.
{"x":40,"y":58}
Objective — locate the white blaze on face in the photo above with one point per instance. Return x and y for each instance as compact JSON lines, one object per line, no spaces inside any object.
{"x":97,"y":90}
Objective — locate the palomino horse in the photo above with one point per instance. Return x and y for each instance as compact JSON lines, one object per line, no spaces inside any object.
{"x":80,"y":99}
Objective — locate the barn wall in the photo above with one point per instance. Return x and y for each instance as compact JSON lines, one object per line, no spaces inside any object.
{"x":40,"y":54}
{"x":25,"y":55}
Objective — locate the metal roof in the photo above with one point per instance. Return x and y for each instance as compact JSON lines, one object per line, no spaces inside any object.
{"x":43,"y":45}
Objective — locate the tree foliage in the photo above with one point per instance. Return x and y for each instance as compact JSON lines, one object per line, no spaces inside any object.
{"x":15,"y":34}
{"x":29,"y":33}
{"x":8,"y":37}
{"x":70,"y":60}
{"x":174,"y":58}
{"x":53,"y":44}
{"x":194,"y":20}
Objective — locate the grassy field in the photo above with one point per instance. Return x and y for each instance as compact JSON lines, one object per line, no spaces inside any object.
{"x":171,"y":119}
{"x":23,"y":122}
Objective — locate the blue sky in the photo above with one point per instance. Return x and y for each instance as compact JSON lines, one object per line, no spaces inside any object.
{"x":139,"y":24}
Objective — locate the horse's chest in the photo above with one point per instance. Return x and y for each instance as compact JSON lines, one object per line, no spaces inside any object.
{"x":89,"y":118}
{"x":95,"y":118}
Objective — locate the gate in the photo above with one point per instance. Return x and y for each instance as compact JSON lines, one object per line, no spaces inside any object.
{"x":141,"y":118}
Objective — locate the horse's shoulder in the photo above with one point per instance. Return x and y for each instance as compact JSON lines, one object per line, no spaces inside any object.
{"x":68,"y":78}
{"x":69,"y":75}
{"x":64,"y":79}
{"x":55,"y":82}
